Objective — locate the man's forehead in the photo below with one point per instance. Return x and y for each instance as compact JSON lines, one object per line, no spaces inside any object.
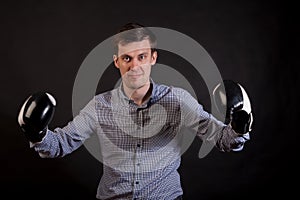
{"x":134,"y":47}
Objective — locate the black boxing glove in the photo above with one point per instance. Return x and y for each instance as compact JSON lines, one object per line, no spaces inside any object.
{"x":236,"y":104}
{"x":35,"y":115}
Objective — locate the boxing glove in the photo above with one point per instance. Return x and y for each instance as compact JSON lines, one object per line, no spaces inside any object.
{"x":233,"y":100}
{"x":35,"y":115}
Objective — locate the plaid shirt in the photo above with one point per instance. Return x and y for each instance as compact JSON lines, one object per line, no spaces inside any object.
{"x":140,"y":145}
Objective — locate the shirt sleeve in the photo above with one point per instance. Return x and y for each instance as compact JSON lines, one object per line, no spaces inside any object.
{"x":209,"y":129}
{"x":62,"y":141}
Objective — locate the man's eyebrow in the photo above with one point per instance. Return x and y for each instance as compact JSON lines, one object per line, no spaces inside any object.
{"x":126,"y":55}
{"x":144,"y":53}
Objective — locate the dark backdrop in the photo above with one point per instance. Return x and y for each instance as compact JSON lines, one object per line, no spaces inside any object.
{"x":43,"y":44}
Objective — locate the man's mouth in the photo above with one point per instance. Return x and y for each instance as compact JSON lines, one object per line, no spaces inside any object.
{"x":134,"y":75}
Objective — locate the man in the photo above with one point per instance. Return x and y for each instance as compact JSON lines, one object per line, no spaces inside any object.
{"x":138,"y":125}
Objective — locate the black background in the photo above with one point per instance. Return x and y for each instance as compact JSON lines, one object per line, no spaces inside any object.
{"x":43,"y":44}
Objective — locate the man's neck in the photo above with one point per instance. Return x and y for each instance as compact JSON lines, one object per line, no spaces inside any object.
{"x":140,"y":95}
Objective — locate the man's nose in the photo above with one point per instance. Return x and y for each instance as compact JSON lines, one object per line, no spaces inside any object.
{"x":135,"y":63}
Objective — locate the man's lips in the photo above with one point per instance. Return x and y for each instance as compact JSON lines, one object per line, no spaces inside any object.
{"x":134,"y":75}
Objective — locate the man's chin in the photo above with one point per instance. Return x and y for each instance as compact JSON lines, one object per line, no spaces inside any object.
{"x":135,"y":87}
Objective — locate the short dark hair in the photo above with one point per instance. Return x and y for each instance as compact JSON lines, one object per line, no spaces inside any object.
{"x":133,"y":32}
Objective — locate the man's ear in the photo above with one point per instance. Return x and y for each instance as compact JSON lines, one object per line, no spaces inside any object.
{"x":115,"y":57}
{"x":154,"y":57}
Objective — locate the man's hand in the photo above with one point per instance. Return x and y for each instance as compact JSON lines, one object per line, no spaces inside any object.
{"x":232,"y":99}
{"x":35,"y":115}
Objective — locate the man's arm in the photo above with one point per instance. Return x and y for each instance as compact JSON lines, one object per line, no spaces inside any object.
{"x":208,"y":128}
{"x":63,"y":141}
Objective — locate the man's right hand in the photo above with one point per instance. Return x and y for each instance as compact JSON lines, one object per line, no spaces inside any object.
{"x":35,"y":115}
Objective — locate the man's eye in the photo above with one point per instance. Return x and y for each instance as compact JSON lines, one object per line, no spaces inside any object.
{"x":142,"y":57}
{"x":126,"y":59}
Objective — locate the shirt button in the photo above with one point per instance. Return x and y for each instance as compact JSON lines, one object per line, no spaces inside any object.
{"x":138,"y":145}
{"x":136,"y":182}
{"x":138,"y":164}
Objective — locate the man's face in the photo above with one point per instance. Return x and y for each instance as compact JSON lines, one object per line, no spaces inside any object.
{"x":134,"y":60}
